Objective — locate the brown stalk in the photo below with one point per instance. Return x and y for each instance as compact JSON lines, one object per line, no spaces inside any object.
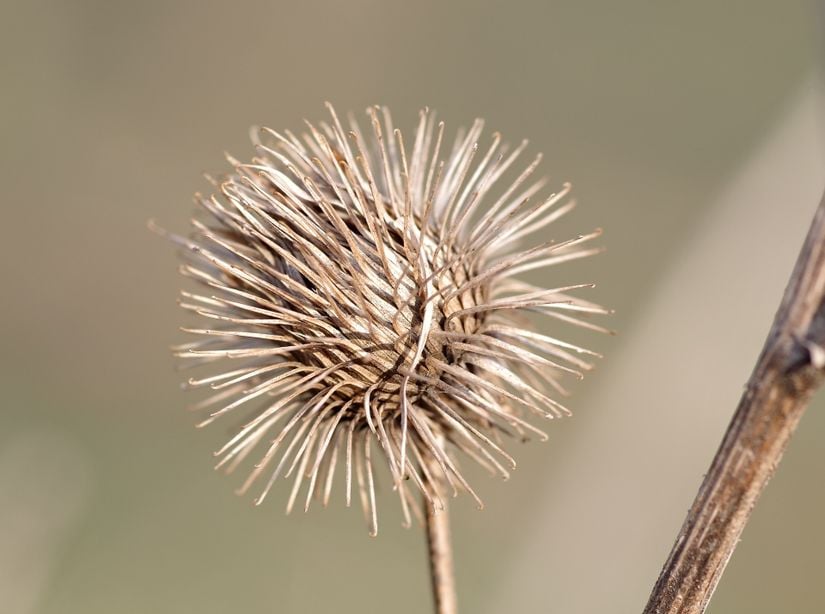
{"x":789,"y":370}
{"x":441,"y":560}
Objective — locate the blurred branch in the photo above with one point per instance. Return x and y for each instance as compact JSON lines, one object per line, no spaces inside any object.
{"x":441,"y":560}
{"x":788,"y":371}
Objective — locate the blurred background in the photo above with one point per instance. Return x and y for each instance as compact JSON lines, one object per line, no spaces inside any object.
{"x":693,"y":134}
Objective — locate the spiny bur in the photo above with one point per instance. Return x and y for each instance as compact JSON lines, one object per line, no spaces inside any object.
{"x":360,"y":299}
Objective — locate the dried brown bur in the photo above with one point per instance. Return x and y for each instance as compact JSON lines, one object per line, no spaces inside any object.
{"x":362,"y":298}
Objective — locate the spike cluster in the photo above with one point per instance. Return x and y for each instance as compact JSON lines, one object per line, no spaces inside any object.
{"x":359,"y":299}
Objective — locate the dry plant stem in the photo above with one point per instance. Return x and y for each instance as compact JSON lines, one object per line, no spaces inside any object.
{"x":787,"y":373}
{"x":441,"y":560}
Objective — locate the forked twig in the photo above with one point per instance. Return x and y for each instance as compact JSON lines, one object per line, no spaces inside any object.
{"x":788,"y":371}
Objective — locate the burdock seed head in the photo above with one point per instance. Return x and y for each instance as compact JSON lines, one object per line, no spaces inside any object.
{"x":360,"y":298}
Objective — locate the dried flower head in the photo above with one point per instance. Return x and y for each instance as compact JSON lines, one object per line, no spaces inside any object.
{"x":362,"y":299}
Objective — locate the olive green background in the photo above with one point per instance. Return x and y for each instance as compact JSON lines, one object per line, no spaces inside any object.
{"x":111,"y":111}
